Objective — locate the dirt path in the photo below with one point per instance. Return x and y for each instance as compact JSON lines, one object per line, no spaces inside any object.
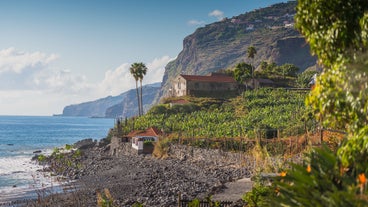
{"x":234,"y":190}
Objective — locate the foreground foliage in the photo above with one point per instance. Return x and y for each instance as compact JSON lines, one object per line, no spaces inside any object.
{"x":337,"y":32}
{"x":321,"y":181}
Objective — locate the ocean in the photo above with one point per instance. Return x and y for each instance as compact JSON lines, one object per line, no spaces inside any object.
{"x":21,"y":136}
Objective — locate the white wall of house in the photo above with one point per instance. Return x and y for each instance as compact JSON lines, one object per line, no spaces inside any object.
{"x":180,"y":86}
{"x":138,"y":141}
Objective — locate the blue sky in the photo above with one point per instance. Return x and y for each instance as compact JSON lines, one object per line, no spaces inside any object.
{"x":59,"y":52}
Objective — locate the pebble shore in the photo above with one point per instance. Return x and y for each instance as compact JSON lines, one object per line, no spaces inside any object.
{"x":144,"y":179}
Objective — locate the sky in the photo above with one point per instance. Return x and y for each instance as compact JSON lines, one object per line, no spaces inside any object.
{"x":54,"y":53}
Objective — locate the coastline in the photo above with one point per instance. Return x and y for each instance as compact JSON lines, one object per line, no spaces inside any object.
{"x":141,"y":178}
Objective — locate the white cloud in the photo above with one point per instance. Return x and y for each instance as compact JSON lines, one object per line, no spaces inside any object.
{"x":195,"y":22}
{"x":63,"y":81}
{"x":217,"y":13}
{"x":31,"y":85}
{"x":119,"y":80}
{"x":12,"y":60}
{"x":156,"y":69}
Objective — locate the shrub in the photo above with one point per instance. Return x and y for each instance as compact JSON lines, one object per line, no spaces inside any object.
{"x":148,"y":143}
{"x":321,"y":181}
{"x":259,"y":194}
{"x":158,"y":109}
{"x":105,"y":199}
{"x":184,"y":108}
{"x":41,"y":158}
{"x":161,"y":148}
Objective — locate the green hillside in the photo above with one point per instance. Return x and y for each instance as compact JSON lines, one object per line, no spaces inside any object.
{"x":261,"y":111}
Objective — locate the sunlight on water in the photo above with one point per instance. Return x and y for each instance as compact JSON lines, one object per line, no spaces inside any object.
{"x":21,"y":136}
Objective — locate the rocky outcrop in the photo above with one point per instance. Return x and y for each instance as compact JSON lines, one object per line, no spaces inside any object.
{"x":223,"y":44}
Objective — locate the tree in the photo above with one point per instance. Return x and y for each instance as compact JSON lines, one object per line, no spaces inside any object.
{"x":142,"y":72}
{"x":334,"y":29}
{"x":138,"y":70}
{"x":242,"y":71}
{"x":288,"y":70}
{"x":251,"y":51}
{"x":337,"y":32}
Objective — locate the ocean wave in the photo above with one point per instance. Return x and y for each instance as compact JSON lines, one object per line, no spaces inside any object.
{"x":10,"y":165}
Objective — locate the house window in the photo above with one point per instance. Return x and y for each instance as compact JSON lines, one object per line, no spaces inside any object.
{"x":179,"y":85}
{"x":196,"y":85}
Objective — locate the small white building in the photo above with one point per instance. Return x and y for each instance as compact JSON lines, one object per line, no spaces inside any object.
{"x":138,"y":142}
{"x":148,"y":136}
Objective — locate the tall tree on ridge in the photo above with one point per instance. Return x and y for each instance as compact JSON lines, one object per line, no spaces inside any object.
{"x":142,"y":72}
{"x":251,"y":51}
{"x":134,"y":70}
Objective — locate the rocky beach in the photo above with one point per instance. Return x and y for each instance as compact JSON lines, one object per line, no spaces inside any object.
{"x":130,"y":178}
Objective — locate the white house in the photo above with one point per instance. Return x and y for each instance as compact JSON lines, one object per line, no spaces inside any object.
{"x":138,"y":142}
{"x":138,"y":138}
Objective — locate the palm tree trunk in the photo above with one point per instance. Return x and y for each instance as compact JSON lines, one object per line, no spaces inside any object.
{"x":139,"y":108}
{"x":253,"y":77}
{"x":141,"y":98}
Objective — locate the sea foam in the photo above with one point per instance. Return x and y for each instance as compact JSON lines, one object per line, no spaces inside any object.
{"x":20,"y":177}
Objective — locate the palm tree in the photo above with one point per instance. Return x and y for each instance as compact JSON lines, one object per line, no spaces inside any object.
{"x":142,"y":72}
{"x":134,"y":70}
{"x":251,"y":51}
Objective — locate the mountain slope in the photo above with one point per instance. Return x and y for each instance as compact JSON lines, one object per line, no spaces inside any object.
{"x":124,"y":104}
{"x":223,"y":44}
{"x":128,"y":107}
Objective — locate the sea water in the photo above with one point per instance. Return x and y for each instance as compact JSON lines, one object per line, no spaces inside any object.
{"x":22,"y":136}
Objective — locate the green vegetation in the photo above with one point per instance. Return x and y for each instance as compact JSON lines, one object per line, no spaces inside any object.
{"x":337,"y":32}
{"x":242,"y":71}
{"x":63,"y":163}
{"x":161,"y":148}
{"x":262,"y":111}
{"x":259,"y":194}
{"x":322,"y":181}
{"x":223,"y":44}
{"x":105,"y":199}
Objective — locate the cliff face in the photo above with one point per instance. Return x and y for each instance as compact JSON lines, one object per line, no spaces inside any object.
{"x":215,"y":47}
{"x":223,"y":44}
{"x":124,"y":105}
{"x":128,"y":107}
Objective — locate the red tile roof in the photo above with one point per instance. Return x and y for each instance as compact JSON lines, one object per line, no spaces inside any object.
{"x":152,"y":131}
{"x":219,"y":78}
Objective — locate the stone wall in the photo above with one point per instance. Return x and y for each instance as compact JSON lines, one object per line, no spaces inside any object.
{"x":121,"y":146}
{"x":211,"y":156}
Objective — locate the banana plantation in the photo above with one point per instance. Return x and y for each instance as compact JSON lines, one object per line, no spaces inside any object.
{"x":267,"y":113}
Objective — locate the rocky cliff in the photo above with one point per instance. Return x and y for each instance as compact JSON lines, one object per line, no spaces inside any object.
{"x":223,"y":44}
{"x":218,"y":46}
{"x":124,"y":105}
